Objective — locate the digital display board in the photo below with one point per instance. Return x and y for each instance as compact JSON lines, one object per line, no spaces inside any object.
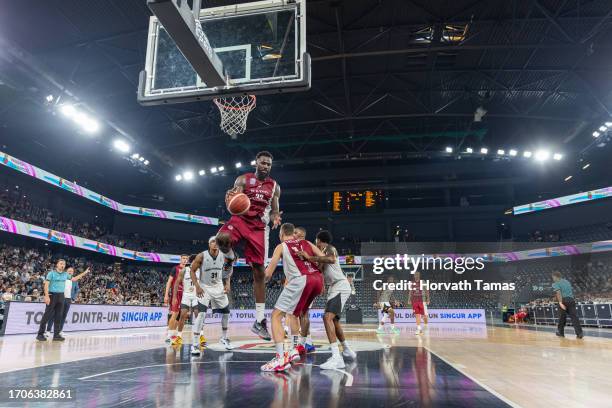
{"x":357,"y":201}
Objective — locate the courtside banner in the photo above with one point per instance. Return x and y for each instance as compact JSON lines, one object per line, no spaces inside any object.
{"x":443,"y":316}
{"x":72,"y":187}
{"x":25,"y":317}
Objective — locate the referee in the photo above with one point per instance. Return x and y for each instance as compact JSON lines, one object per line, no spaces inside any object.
{"x":55,"y":284}
{"x":565,"y":296}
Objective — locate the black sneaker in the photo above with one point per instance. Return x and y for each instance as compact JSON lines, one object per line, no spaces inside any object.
{"x":261,"y":330}
{"x":560,"y":334}
{"x":579,"y":336}
{"x":41,"y":337}
{"x":58,"y":338}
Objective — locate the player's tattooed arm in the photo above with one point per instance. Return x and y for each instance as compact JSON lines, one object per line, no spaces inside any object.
{"x":275,"y":213}
{"x":276,"y":256}
{"x":319,"y":257}
{"x":238,"y":188}
{"x":195,"y":265}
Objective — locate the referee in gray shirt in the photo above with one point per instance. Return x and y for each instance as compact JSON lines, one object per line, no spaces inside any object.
{"x":567,"y":305}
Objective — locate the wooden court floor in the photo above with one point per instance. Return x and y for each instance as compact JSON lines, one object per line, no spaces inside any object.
{"x":450,"y":365}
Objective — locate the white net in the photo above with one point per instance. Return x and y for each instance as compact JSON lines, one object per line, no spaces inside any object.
{"x":234,"y":113}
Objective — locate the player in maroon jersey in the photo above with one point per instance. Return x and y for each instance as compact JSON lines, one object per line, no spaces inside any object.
{"x":304,"y":284}
{"x":168,"y":299}
{"x":252,"y":228}
{"x":418,"y":297}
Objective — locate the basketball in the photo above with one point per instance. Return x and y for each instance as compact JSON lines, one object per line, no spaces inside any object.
{"x":239,"y":204}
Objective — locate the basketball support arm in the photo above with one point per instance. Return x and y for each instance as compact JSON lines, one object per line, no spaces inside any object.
{"x":183,"y":25}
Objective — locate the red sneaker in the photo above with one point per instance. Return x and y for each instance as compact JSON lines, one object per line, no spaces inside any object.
{"x":278,"y":363}
{"x":300,"y":349}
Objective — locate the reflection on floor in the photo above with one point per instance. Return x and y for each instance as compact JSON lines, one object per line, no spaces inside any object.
{"x":450,"y":365}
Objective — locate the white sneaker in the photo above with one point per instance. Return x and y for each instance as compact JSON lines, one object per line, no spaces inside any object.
{"x":195,"y":351}
{"x":62,"y":333}
{"x":225,"y":342}
{"x":348,"y":353}
{"x":294,"y":355}
{"x":418,"y":332}
{"x":48,"y":334}
{"x":332,"y":363}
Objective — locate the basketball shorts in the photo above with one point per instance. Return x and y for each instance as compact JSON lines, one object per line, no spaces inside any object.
{"x":418,"y":308}
{"x":189,"y":299}
{"x":179,"y":295}
{"x":214,"y":297}
{"x":254,"y":234}
{"x":385,"y":306}
{"x":299,"y":293}
{"x":337,"y":295}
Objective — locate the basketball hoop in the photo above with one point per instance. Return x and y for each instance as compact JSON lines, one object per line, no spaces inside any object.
{"x":234,"y":113}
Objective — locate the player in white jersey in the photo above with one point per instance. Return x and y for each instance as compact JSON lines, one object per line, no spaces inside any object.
{"x":211,"y":288}
{"x":386,"y":309}
{"x":338,"y":291}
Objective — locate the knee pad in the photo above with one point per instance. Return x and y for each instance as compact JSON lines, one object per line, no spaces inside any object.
{"x":225,"y":310}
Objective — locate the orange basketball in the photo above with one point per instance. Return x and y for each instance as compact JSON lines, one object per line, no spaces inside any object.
{"x":239,"y":204}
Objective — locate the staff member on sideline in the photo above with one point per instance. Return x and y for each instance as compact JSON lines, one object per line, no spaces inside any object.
{"x":567,"y":304}
{"x":55,"y":284}
{"x":70,"y":294}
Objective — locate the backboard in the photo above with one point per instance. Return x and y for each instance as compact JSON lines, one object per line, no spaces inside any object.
{"x":250,"y":48}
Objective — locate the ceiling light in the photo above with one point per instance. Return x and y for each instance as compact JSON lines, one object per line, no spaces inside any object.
{"x":568,"y":178}
{"x":252,"y":162}
{"x":49,"y":98}
{"x":146,"y":162}
{"x":141,"y":159}
{"x":68,"y":110}
{"x":484,"y":150}
{"x":238,"y":165}
{"x":221,"y":168}
{"x":557,"y":156}
{"x":201,"y":172}
{"x":469,"y":150}
{"x":586,"y":166}
{"x":527,"y":154}
{"x":603,"y":128}
{"x":449,"y":149}
{"x":188,"y":175}
{"x":91,"y":125}
{"x":121,"y":145}
{"x":596,"y":134}
{"x":501,"y":152}
{"x":135,"y":156}
{"x":178,"y":177}
{"x":542,"y":155}
{"x":213,"y":169}
{"x":608,"y":124}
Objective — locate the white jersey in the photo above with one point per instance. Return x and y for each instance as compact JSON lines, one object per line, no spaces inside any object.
{"x":212,"y":269}
{"x":333,"y":272}
{"x":188,"y":286}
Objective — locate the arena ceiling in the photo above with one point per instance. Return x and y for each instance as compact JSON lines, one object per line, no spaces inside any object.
{"x":394,"y":82}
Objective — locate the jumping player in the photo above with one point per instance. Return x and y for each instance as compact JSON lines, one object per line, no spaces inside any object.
{"x":304,"y":284}
{"x":418,"y":298}
{"x":252,"y":228}
{"x":338,"y":292}
{"x":386,"y":309}
{"x":211,"y":289}
{"x":174,"y":312}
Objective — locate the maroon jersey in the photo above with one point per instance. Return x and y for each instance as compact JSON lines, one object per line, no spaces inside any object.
{"x":177,"y":269}
{"x":293,"y":266}
{"x":260,"y":193}
{"x":416,"y":295}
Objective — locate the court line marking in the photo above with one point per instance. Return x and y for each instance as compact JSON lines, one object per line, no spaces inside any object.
{"x":486,"y":387}
{"x":349,"y":381}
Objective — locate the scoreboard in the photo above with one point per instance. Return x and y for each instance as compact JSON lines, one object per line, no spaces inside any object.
{"x":357,"y":201}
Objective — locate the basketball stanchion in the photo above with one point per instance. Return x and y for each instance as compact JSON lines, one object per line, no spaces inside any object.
{"x":234,"y":113}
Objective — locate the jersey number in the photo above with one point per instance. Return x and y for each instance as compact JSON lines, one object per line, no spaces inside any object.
{"x":214,"y":275}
